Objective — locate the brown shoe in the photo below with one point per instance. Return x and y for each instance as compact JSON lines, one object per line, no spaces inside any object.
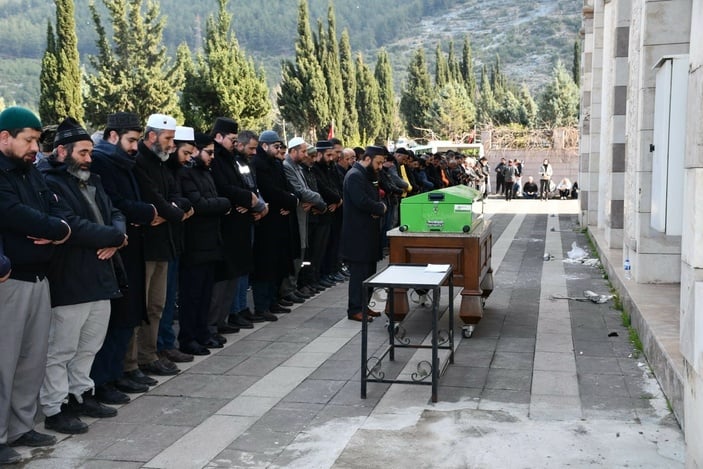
{"x":372,"y":313}
{"x":176,"y":355}
{"x":359,"y":317}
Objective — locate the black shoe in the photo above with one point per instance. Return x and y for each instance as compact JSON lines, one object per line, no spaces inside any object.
{"x":212,"y":343}
{"x":65,"y":422}
{"x":237,"y":321}
{"x":221,"y":339}
{"x":194,"y":348}
{"x":108,"y":393}
{"x":338,"y":277}
{"x":325,"y":283}
{"x":301,"y":295}
{"x":167,"y":363}
{"x":157,"y":367}
{"x":285,"y":303}
{"x":138,"y":377}
{"x":34,"y":439}
{"x":252,"y":317}
{"x":8,"y":455}
{"x":227,"y":329}
{"x":292,"y":298}
{"x":318,"y":287}
{"x":90,"y":407}
{"x":277,"y":309}
{"x":267,"y":316}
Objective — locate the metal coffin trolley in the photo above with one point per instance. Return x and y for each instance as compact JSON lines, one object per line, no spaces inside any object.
{"x":405,"y":276}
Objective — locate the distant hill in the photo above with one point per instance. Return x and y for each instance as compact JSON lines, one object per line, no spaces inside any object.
{"x":529,"y":35}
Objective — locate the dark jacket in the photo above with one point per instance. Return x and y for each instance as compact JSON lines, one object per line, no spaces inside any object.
{"x":28,"y":208}
{"x":273,"y":240}
{"x":76,"y":274}
{"x":158,"y":187}
{"x":326,"y":177}
{"x":202,"y":237}
{"x":236,"y":227}
{"x":116,"y":170}
{"x":363,"y":212}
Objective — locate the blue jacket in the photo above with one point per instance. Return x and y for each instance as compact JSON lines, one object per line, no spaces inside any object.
{"x":28,"y":208}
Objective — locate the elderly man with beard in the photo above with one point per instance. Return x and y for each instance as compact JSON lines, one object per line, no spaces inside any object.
{"x":30,"y":226}
{"x":114,"y":160}
{"x":82,"y":281}
{"x":361,"y":230}
{"x":158,"y":187}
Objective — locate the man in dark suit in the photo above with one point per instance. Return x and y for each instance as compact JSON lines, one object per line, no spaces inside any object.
{"x":361,"y":229}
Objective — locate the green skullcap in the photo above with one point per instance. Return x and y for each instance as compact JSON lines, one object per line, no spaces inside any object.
{"x":17,"y":117}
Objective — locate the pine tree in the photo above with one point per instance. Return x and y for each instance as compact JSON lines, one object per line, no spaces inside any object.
{"x":452,"y":114}
{"x":487,"y":103}
{"x":132,"y":71}
{"x":333,"y":73}
{"x":417,"y":95}
{"x":350,"y":116}
{"x":48,"y":80}
{"x":453,"y":65}
{"x":441,"y":74}
{"x":559,"y":102}
{"x":367,"y":102}
{"x":384,"y":77}
{"x":467,"y":70}
{"x":224,"y":82}
{"x":528,"y":107}
{"x":302,"y":98}
{"x":576,"y":66}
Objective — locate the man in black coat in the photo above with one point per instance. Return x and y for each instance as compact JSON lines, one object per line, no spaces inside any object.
{"x":273,"y":256}
{"x":361,"y":229}
{"x":82,"y":281}
{"x":158,"y":187}
{"x":114,"y":160}
{"x":202,"y":249}
{"x":30,"y":226}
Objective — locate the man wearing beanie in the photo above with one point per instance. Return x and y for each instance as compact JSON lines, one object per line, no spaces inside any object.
{"x":157,"y":187}
{"x":114,"y":160}
{"x":31,"y":226}
{"x":82,"y":280}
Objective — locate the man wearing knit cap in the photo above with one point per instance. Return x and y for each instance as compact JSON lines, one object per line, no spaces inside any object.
{"x":157,"y":187}
{"x":361,"y":229}
{"x":82,"y":280}
{"x":114,"y":160}
{"x":31,"y":226}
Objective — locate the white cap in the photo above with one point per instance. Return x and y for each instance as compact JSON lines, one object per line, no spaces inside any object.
{"x":161,"y":121}
{"x":184,"y":134}
{"x":295,"y":141}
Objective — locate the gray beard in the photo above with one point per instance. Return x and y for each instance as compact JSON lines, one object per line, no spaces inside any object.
{"x":81,"y":174}
{"x":159,"y":152}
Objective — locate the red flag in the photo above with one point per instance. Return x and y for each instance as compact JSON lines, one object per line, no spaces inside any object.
{"x":330,"y":132}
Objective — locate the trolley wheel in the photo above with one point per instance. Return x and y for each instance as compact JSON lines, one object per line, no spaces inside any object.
{"x":395,"y":327}
{"x":403,"y":228}
{"x":467,"y":331}
{"x":483,"y":302}
{"x":466,"y":228}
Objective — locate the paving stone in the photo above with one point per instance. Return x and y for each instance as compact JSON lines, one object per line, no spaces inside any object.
{"x":248,"y":346}
{"x":555,"y":383}
{"x":592,"y":348}
{"x":480,"y":344}
{"x":337,"y":369}
{"x":301,"y":334}
{"x":102,"y":434}
{"x":217,"y":364}
{"x":350,"y":394}
{"x":513,"y":380}
{"x":230,"y":458}
{"x":143,"y":443}
{"x":276,"y":349}
{"x":465,"y":376}
{"x":315,"y":391}
{"x":513,"y":360}
{"x":600,"y":365}
{"x":516,"y":344}
{"x":551,"y":361}
{"x":287,"y":419}
{"x":214,"y":386}
{"x":467,"y":357}
{"x":165,"y":410}
{"x":603,"y":385}
{"x":257,"y":366}
{"x":503,"y":395}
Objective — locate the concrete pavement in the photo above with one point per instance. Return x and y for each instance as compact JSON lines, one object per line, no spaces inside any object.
{"x":541,"y":383}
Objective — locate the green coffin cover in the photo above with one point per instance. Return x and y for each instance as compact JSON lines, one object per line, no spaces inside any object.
{"x":444,"y":210}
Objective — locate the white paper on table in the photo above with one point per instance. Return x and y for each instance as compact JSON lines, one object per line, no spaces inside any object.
{"x":437,"y":267}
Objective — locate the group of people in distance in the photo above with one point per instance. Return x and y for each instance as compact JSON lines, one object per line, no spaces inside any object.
{"x":103,"y":242}
{"x":508,"y":182}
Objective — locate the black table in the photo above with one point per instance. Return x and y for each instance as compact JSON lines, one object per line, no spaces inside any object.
{"x":407,"y":276}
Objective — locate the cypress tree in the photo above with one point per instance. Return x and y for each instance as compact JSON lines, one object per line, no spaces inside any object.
{"x":48,"y":80}
{"x":528,"y":107}
{"x":453,"y":64}
{"x":132,"y":71}
{"x":576,"y":66}
{"x":487,"y":103}
{"x":441,"y":74}
{"x":333,"y":72}
{"x":350,"y":116}
{"x":69,"y":100}
{"x":224,"y":82}
{"x":384,"y":77}
{"x":417,"y":94}
{"x":302,"y":98}
{"x":367,"y":102}
{"x":451,"y":113}
{"x":559,"y":102}
{"x":467,"y":69}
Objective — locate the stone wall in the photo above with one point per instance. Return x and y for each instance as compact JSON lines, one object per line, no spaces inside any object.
{"x":565,"y":162}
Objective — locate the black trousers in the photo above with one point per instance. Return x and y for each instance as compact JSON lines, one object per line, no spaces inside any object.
{"x":544,"y":188}
{"x":509,"y":190}
{"x":318,"y":239}
{"x":194,"y":297}
{"x":109,"y":361}
{"x":359,"y":271}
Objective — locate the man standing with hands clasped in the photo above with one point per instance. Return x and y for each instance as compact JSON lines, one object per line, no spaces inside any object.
{"x":361,"y":229}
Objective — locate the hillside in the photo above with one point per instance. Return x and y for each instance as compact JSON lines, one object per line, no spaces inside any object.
{"x":528,"y":35}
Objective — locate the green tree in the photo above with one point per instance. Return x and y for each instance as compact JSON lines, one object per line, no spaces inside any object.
{"x":487,"y":102}
{"x":576,"y":66}
{"x":508,"y":109}
{"x":302,"y":98}
{"x":49,"y":80}
{"x":452,"y":113}
{"x":467,"y":69}
{"x":132,"y":70}
{"x":333,"y":73}
{"x":384,"y":77}
{"x":367,"y":102}
{"x":350,"y":116}
{"x":528,"y":107}
{"x":559,"y":102}
{"x":453,"y":65}
{"x":224,"y":82}
{"x":441,"y":73}
{"x":417,"y":95}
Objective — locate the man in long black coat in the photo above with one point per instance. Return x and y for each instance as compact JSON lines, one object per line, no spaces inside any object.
{"x":361,"y":229}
